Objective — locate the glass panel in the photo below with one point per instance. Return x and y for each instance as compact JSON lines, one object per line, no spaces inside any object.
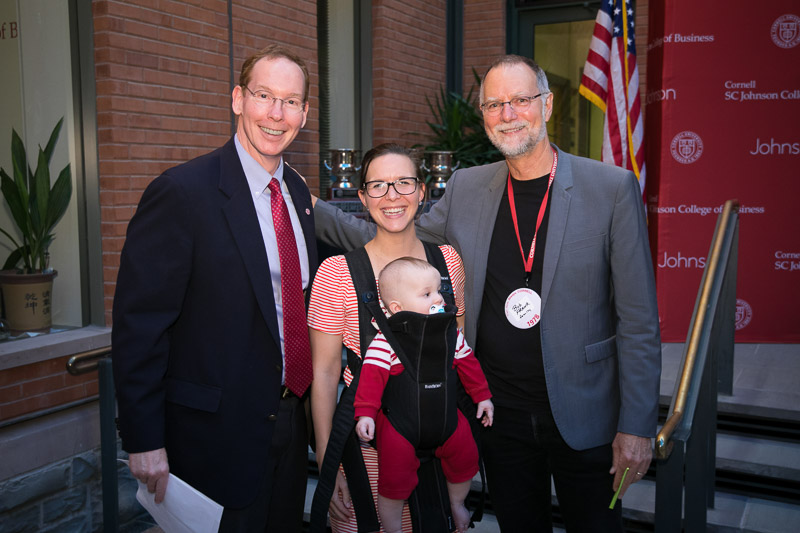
{"x":10,"y":89}
{"x":341,"y":36}
{"x":35,"y":58}
{"x":576,"y":125}
{"x":341,"y":81}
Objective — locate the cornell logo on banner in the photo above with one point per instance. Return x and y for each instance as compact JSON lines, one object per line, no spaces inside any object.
{"x":686,"y":147}
{"x":744,"y":314}
{"x":786,"y":31}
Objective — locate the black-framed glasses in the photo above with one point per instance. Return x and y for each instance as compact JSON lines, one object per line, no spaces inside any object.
{"x":267,"y":99}
{"x":518,"y":103}
{"x":377,"y":189}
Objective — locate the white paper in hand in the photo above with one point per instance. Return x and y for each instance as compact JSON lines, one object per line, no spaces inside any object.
{"x":184,"y":509}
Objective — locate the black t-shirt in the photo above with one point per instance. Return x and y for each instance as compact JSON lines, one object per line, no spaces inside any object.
{"x":510,"y":357}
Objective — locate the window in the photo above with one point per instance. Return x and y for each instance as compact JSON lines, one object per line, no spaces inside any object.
{"x":345,"y":55}
{"x":558,"y":39}
{"x":47,"y":64}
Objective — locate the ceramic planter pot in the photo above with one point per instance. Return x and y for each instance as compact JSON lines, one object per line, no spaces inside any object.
{"x":27,"y":301}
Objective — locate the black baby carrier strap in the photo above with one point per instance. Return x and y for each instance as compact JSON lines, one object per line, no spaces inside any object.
{"x":343,"y":444}
{"x":344,"y":448}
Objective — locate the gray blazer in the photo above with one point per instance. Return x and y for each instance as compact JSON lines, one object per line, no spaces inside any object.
{"x":600,"y":334}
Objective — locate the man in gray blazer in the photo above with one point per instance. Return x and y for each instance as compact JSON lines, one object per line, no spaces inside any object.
{"x":560,"y":307}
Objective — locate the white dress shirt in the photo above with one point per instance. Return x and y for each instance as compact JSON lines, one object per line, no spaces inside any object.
{"x":258,"y":179}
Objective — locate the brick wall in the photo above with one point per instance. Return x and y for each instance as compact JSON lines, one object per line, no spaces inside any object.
{"x":294,"y":24}
{"x":484,"y":37}
{"x":163,"y":90}
{"x":30,"y":388}
{"x":408,"y":62}
{"x":163,"y":93}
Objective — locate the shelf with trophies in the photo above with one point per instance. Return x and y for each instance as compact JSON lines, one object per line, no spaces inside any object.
{"x":344,"y":164}
{"x":438,"y":166}
{"x":343,"y":191}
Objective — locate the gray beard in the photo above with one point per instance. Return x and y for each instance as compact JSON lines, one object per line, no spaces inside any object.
{"x":517,"y":151}
{"x":522,"y":148}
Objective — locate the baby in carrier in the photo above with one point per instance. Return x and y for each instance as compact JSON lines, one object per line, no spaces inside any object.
{"x":408,"y":409}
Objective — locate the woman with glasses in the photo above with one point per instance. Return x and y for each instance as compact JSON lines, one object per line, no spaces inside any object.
{"x":392,"y":193}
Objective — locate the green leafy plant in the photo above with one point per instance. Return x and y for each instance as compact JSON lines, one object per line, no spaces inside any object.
{"x":35,"y":206}
{"x":458,"y":127}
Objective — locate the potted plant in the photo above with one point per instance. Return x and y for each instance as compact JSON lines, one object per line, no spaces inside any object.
{"x":36,"y":208}
{"x":458,"y":127}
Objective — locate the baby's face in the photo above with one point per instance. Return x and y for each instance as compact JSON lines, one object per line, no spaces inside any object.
{"x":421,"y":293}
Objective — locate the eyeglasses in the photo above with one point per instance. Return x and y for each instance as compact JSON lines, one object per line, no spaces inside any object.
{"x":378,"y":189}
{"x":266,"y":99}
{"x":518,"y":103}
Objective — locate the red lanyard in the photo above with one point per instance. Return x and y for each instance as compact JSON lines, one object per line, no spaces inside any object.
{"x":542,"y":208}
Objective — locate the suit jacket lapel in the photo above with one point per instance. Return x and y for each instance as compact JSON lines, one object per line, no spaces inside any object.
{"x":301,"y":198}
{"x":243,"y":221}
{"x":557,"y":223}
{"x":483,"y":234}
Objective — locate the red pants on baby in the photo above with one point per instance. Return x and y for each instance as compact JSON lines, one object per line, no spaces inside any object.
{"x":398,"y":462}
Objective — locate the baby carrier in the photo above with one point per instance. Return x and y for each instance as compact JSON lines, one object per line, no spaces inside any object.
{"x":428,"y":383}
{"x":438,"y":386}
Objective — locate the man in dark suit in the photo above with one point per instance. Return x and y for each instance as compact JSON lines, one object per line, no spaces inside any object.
{"x":210,"y":348}
{"x":560,"y":307}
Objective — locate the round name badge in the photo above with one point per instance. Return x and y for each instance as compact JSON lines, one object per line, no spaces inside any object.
{"x":523,"y":308}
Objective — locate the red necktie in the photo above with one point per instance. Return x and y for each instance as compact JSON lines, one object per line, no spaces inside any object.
{"x":297,"y":349}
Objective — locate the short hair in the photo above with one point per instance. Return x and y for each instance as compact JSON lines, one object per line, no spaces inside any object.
{"x":513,"y":59}
{"x":273,"y":51}
{"x":385,"y":149}
{"x":391,"y":277}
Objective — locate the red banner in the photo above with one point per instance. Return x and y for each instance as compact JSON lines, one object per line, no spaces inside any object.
{"x":721,"y":122}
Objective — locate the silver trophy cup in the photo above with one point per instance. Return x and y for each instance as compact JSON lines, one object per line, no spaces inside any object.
{"x":342,"y":165}
{"x":439,"y":164}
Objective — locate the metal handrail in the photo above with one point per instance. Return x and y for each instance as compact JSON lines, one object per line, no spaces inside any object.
{"x":99,"y":359}
{"x":663,"y":443}
{"x":88,"y":361}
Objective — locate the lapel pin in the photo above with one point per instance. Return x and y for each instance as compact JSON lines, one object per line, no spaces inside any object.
{"x":308,"y":211}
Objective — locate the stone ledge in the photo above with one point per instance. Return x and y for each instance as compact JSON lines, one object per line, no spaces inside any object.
{"x":44,"y":440}
{"x":44,"y":347}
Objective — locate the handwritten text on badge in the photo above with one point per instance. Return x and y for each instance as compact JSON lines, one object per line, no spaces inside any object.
{"x":523,"y":308}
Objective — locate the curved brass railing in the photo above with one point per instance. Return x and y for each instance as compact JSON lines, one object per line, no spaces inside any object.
{"x":99,"y":359}
{"x":84,"y":362}
{"x":663,"y":444}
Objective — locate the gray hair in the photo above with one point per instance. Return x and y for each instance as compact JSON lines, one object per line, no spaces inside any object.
{"x":513,"y":59}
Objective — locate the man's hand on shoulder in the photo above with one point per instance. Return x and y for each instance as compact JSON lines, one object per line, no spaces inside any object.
{"x":152,"y":469}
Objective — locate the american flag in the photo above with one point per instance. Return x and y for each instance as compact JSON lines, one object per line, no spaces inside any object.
{"x":611,"y":82}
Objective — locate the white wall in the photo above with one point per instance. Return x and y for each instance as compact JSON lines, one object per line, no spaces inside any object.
{"x":10,"y":98}
{"x":45,"y":85}
{"x":342,"y":73}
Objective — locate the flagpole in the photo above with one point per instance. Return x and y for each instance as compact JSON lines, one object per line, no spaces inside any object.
{"x":632,"y":155}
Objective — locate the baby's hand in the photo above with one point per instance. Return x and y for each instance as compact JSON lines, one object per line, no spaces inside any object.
{"x":365,"y":428}
{"x":486,"y":410}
